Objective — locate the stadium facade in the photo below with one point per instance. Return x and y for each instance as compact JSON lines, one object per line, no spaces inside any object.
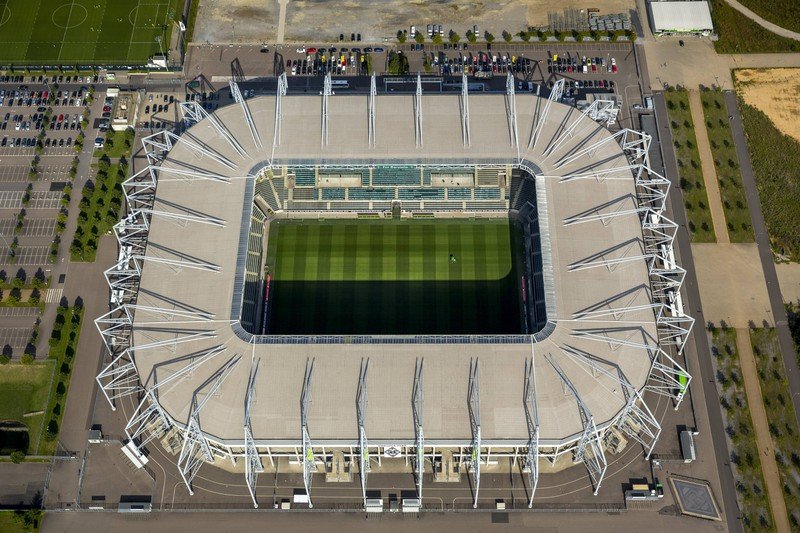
{"x":608,"y":322}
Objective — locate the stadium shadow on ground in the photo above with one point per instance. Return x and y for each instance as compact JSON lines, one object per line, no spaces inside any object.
{"x":455,"y":307}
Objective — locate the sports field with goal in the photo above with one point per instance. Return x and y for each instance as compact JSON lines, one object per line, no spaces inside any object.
{"x":394,"y":277}
{"x":83,"y":32}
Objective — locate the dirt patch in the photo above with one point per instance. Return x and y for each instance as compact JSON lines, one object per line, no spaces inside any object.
{"x":774,"y":92}
{"x":309,"y":21}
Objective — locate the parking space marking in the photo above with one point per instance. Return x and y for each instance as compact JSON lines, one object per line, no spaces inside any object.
{"x":16,"y":312}
{"x":14,"y":173}
{"x":45,"y":199}
{"x":11,"y":199}
{"x":15,"y":337}
{"x":29,"y":255}
{"x":32,"y":227}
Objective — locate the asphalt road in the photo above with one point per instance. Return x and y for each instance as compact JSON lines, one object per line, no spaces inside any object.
{"x":765,"y":252}
{"x":701,"y":347}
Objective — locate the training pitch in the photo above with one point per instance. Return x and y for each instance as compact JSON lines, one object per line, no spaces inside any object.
{"x":82,"y":32}
{"x":394,"y":277}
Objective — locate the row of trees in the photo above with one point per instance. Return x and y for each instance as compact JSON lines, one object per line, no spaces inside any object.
{"x":524,"y":35}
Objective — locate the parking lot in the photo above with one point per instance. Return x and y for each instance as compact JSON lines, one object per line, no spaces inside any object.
{"x":16,"y":338}
{"x":39,"y":199}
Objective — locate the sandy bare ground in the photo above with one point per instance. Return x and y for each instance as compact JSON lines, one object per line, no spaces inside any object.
{"x":307,"y":21}
{"x":769,"y":467}
{"x":789,"y":280}
{"x":707,"y":165}
{"x":774,"y":92}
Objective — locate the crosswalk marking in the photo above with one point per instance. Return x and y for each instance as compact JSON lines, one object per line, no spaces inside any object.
{"x":53,"y":296}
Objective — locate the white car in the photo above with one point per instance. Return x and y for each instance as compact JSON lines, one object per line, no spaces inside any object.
{"x":301,"y":50}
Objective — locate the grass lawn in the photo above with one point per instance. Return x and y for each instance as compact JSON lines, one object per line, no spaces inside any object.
{"x":13,"y":522}
{"x":25,"y":389}
{"x":695,"y":197}
{"x":745,"y":461}
{"x":776,"y":165}
{"x":726,"y":163}
{"x":108,"y":32}
{"x":116,"y":144}
{"x":781,"y":416}
{"x":393,"y":277}
{"x":784,"y":13}
{"x":740,"y":35}
{"x":63,"y":344}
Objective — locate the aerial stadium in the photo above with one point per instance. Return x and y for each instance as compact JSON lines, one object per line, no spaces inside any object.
{"x":328,"y":280}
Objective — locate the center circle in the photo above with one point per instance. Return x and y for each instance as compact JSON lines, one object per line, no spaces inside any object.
{"x":69,"y":16}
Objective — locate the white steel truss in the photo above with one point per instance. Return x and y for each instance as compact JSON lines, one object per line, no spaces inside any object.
{"x":532,"y":419}
{"x":309,"y":464}
{"x":140,"y":189}
{"x":363,"y":444}
{"x":327,"y":91}
{"x":186,"y":218}
{"x":511,"y":111}
{"x":248,"y":118}
{"x":149,"y":419}
{"x":603,"y":111}
{"x":667,"y":377}
{"x":465,"y":134}
{"x":555,"y":96}
{"x":577,"y":125}
{"x":373,"y":93}
{"x":196,"y":450}
{"x":131,"y":232}
{"x":635,"y":419}
{"x":417,"y":404}
{"x":187,"y":175}
{"x":590,"y":446}
{"x":157,"y":145}
{"x":119,"y":378}
{"x":283,"y":87}
{"x":193,"y":112}
{"x":474,"y":405}
{"x":418,"y":113}
{"x":252,"y":464}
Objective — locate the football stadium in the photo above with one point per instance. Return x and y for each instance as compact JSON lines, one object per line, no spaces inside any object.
{"x":334,"y":282}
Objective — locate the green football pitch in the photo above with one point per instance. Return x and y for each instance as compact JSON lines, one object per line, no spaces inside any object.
{"x":83,"y":32}
{"x":393,"y":277}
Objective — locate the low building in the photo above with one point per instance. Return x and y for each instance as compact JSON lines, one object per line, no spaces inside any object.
{"x":123,"y":115}
{"x":682,"y":17}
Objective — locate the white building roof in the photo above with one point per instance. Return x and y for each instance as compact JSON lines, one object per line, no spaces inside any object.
{"x":685,"y":16}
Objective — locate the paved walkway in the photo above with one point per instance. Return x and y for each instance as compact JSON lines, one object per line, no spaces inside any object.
{"x":722,"y":270}
{"x":769,"y":467}
{"x":774,"y":28}
{"x":698,"y":353}
{"x":707,"y":165}
{"x":789,"y":278}
{"x":281,"y":21}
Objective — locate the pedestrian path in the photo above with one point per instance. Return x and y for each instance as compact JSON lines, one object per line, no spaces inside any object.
{"x":53,"y":296}
{"x":774,"y":28}
{"x":769,"y":467}
{"x":707,"y":165}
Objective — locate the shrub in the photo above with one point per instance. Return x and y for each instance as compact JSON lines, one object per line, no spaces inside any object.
{"x":17,"y":457}
{"x":52,"y":429}
{"x":26,"y":359}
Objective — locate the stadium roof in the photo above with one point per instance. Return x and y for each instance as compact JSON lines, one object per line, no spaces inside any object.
{"x":192,"y":268}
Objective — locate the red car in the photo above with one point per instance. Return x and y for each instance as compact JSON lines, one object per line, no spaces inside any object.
{"x":60,"y":119}
{"x":311,"y":50}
